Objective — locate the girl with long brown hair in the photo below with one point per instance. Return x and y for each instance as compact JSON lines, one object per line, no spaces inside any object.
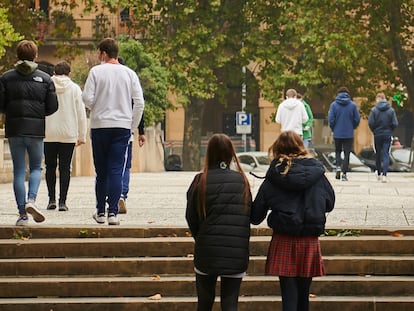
{"x":218,"y":215}
{"x":298,"y":194}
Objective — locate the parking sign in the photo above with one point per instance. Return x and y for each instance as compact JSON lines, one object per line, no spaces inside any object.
{"x":243,"y":123}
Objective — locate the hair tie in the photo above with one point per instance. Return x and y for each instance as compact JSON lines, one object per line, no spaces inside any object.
{"x":223,"y":165}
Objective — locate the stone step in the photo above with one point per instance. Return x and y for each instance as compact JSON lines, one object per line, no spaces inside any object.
{"x":147,"y":266}
{"x":320,"y":303}
{"x":182,"y":246}
{"x":102,"y":231}
{"x":168,"y":286}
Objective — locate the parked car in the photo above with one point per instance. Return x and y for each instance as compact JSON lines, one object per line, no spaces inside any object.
{"x":254,"y":161}
{"x":326,"y":154}
{"x":400,"y":159}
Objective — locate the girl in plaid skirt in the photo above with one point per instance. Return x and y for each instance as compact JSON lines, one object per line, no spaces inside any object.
{"x":298,"y":194}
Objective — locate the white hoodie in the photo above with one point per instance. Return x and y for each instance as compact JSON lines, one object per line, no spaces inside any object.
{"x":291,"y":113}
{"x":68,"y":123}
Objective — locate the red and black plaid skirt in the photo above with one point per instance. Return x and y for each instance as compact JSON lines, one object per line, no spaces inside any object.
{"x":294,"y":257}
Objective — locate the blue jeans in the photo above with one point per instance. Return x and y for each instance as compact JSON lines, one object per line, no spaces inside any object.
{"x":126,"y":176}
{"x":382,"y":145}
{"x":109,"y":148}
{"x":18,"y":148}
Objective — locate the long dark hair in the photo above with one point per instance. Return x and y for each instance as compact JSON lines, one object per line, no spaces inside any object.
{"x":288,"y":146}
{"x":220,"y":153}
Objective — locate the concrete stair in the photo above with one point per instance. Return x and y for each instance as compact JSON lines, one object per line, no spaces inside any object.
{"x":106,"y":268}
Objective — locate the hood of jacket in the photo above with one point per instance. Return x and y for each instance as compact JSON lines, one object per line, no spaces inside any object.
{"x":61,"y":83}
{"x":291,"y":103}
{"x":383,"y":105}
{"x":303,"y":173}
{"x":343,"y":98}
{"x":25,"y":67}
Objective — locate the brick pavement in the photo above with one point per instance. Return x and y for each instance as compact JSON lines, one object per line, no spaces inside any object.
{"x":158,"y":199}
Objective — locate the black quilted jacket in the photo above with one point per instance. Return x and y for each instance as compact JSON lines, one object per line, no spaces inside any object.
{"x":27,"y":96}
{"x":222,"y":238}
{"x":297,"y":201}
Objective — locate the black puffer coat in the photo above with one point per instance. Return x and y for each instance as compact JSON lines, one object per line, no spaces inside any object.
{"x":298,"y":200}
{"x":27,"y":97}
{"x":222,"y":238}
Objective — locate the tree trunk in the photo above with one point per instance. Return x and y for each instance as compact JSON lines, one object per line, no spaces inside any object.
{"x":192,"y":134}
{"x":400,"y":56}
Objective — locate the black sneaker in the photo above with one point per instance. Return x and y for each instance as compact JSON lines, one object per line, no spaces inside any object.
{"x":338,"y":174}
{"x":51,"y":205}
{"x":63,"y":207}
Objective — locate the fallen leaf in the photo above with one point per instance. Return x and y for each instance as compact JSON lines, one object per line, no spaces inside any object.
{"x":397,"y":234}
{"x":155,"y":278}
{"x":155,"y":297}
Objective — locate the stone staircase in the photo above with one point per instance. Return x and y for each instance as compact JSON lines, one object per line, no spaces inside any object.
{"x":106,"y":268}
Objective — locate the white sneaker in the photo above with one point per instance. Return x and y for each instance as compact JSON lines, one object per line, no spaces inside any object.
{"x":34,"y":211}
{"x":99,"y":218}
{"x":22,"y":221}
{"x":122,"y":206}
{"x":384,"y":178}
{"x":113,"y":219}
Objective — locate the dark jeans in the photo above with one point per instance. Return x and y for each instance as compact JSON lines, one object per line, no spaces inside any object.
{"x":126,"y":176}
{"x":295,"y":293}
{"x":206,"y":292}
{"x":345,"y":145}
{"x":58,"y":154}
{"x":382,"y":145}
{"x":109,"y":146}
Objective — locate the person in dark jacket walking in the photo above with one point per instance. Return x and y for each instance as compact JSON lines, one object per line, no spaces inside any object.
{"x":218,"y":215}
{"x":27,"y":97}
{"x":298,"y":194}
{"x":343,"y":118}
{"x":382,"y":121}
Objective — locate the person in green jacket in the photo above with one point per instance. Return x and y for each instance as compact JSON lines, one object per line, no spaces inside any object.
{"x":307,"y":126}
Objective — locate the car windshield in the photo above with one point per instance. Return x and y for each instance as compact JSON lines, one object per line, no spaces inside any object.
{"x":263,"y":160}
{"x":402,"y":155}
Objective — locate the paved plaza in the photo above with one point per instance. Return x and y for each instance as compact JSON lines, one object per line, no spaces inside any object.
{"x":159,"y":199}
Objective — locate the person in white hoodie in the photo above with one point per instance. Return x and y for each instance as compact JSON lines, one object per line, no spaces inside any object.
{"x":65,"y":129}
{"x":291,"y":113}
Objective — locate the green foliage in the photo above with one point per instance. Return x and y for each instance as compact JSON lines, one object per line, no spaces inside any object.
{"x":7,"y":32}
{"x":21,"y":23}
{"x":153,"y":77}
{"x":192,"y":39}
{"x":342,"y":233}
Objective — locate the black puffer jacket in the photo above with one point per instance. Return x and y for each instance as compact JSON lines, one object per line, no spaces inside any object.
{"x":28,"y":95}
{"x":298,"y":200}
{"x":222,"y":238}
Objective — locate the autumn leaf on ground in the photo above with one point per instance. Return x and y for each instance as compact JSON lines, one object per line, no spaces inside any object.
{"x":155,"y":278}
{"x":397,"y":234}
{"x":155,"y":297}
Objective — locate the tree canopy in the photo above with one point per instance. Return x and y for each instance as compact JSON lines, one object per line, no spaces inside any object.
{"x":315,"y":45}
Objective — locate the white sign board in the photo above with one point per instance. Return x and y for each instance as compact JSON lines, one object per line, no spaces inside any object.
{"x":243,"y":123}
